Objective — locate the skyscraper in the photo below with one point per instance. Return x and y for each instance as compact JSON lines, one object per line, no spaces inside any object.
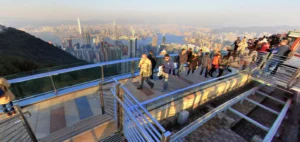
{"x":70,"y":42}
{"x":132,"y":47}
{"x":164,"y":40}
{"x":79,"y":26}
{"x":115,"y":32}
{"x":154,"y":41}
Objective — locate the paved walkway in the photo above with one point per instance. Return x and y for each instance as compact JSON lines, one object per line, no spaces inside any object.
{"x":55,"y":114}
{"x":64,"y":111}
{"x":174,"y":83}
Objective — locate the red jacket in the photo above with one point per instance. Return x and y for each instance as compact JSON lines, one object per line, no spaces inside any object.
{"x":264,"y":47}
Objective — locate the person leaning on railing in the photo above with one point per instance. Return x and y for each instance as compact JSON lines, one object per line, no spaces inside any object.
{"x":278,"y":55}
{"x":6,"y":97}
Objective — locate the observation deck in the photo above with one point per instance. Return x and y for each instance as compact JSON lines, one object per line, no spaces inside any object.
{"x":100,"y":102}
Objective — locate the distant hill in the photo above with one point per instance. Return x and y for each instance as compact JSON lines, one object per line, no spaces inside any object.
{"x":22,"y":52}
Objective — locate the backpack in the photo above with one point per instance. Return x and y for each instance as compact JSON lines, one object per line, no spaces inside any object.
{"x":2,"y":92}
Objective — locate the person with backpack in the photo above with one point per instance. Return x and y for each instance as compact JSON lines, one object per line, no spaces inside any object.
{"x":193,"y":64}
{"x":6,"y":97}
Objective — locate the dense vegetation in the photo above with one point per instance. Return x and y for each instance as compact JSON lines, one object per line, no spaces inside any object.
{"x":22,"y":52}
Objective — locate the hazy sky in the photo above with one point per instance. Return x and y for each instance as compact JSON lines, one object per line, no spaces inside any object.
{"x":193,"y":12}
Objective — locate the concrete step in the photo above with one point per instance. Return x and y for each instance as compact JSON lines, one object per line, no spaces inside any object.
{"x":77,"y":128}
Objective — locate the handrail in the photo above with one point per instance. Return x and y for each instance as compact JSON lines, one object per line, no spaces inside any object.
{"x":41,"y":75}
{"x":186,"y":88}
{"x":162,"y":129}
{"x":139,"y":126}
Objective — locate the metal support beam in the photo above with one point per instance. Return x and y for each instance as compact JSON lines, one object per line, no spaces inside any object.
{"x":101,"y":96}
{"x":208,"y":116}
{"x":249,"y":119}
{"x":119,"y":108}
{"x":25,"y":123}
{"x":262,"y":106}
{"x":132,"y":68}
{"x":266,"y":95}
{"x":102,"y":73}
{"x":54,"y":88}
{"x":276,"y":124}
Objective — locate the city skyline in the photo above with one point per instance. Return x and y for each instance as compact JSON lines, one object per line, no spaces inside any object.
{"x":220,"y":13}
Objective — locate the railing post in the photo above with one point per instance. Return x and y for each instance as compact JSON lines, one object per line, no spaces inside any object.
{"x":166,"y":137}
{"x":102,"y":73}
{"x":101,"y":96}
{"x":294,"y":80}
{"x":54,"y":88}
{"x":119,"y":108}
{"x":132,"y":68}
{"x":25,"y":123}
{"x":264,"y":60}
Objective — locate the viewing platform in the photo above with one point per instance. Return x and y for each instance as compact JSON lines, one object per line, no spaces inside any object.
{"x":95,"y":103}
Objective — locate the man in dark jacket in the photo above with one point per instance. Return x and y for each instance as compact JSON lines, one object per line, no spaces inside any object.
{"x":168,"y":66}
{"x":152,"y":58}
{"x":181,"y":60}
{"x":189,"y":54}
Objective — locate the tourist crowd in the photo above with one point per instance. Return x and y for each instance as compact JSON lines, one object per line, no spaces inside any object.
{"x":244,"y":53}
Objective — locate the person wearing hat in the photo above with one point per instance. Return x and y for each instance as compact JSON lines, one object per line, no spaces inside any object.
{"x":6,"y":97}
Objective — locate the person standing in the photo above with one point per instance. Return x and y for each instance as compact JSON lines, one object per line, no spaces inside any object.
{"x":215,"y":64}
{"x":249,"y":57}
{"x":200,"y":56}
{"x":6,"y":97}
{"x":189,"y":54}
{"x":223,"y":64}
{"x":168,"y":66}
{"x":242,"y":46}
{"x":145,"y":71}
{"x":193,"y":63}
{"x":236,"y":44}
{"x":206,"y":63}
{"x":181,"y":60}
{"x":152,"y":58}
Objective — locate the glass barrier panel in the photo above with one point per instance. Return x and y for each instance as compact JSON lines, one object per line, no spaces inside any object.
{"x":117,"y":69}
{"x":23,"y":74}
{"x":76,"y":77}
{"x":32,"y":87}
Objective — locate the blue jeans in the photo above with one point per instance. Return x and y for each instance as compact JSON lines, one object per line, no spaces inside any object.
{"x":270,"y":66}
{"x":181,"y":67}
{"x":8,"y":107}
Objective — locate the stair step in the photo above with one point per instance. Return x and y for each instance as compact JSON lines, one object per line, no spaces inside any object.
{"x":77,"y":128}
{"x":117,"y":137}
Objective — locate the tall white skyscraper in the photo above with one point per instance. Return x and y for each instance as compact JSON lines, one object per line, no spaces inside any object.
{"x":79,"y":26}
{"x":132,"y":48}
{"x":115,"y":32}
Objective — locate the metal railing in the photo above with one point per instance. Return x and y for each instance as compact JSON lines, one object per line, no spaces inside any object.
{"x":228,"y":106}
{"x":17,"y":128}
{"x":136,"y":123}
{"x":270,"y":68}
{"x":56,"y":82}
